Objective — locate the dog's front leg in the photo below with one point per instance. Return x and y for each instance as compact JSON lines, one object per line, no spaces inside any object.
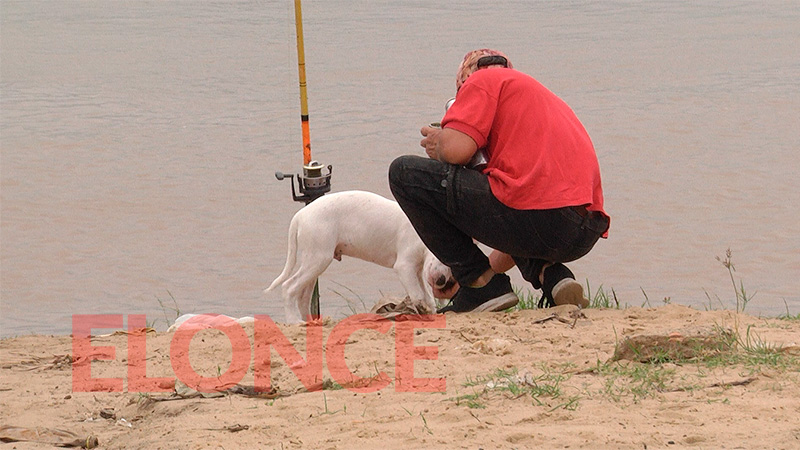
{"x":410,"y":275}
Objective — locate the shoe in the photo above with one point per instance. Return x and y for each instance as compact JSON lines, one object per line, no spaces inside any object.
{"x":560,"y":288}
{"x":497,"y":295}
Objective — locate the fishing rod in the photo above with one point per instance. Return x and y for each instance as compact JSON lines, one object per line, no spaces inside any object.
{"x":313,"y":183}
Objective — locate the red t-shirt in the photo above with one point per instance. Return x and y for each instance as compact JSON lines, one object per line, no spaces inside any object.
{"x":540,"y":155}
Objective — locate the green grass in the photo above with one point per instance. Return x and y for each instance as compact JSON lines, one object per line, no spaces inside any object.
{"x":666,"y":300}
{"x":167,"y":310}
{"x":600,"y":298}
{"x":742,"y":298}
{"x":747,"y":352}
{"x":472,"y":401}
{"x":637,"y":380}
{"x":788,"y":315}
{"x":527,"y":300}
{"x":327,"y":411}
{"x":753,"y":353}
{"x":543,"y":389}
{"x":351,"y":303}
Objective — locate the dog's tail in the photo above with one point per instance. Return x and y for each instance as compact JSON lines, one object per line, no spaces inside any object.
{"x":291,"y":257}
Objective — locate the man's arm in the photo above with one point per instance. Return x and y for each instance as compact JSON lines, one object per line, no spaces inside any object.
{"x":500,"y":261}
{"x":448,"y":145}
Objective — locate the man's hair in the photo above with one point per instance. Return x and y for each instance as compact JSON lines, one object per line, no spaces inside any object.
{"x":470,"y":63}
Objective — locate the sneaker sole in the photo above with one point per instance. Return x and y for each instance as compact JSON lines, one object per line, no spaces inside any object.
{"x":501,"y":303}
{"x":569,"y":292}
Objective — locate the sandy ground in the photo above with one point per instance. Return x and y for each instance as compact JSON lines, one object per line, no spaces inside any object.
{"x":527,"y":379}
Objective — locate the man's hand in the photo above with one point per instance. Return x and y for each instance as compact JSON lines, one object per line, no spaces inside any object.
{"x":429,"y":141}
{"x":500,"y":262}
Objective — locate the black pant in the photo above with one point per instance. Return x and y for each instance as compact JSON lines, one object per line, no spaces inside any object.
{"x":450,"y":205}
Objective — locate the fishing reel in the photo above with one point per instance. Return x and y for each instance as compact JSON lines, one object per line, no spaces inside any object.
{"x":312,"y":185}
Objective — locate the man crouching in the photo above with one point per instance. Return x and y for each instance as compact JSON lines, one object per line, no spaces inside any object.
{"x":537,"y":201}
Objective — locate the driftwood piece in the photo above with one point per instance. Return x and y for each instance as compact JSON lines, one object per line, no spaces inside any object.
{"x":675,"y":346}
{"x":51,"y":436}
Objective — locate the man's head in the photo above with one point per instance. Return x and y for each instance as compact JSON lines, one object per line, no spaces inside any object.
{"x":478,"y":59}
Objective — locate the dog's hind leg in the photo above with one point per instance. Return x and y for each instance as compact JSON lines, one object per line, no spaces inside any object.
{"x":304,"y":305}
{"x":291,"y":256}
{"x":291,"y":305}
{"x":297,"y":290}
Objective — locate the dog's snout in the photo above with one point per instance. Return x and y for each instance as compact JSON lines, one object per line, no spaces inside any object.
{"x":440,"y":282}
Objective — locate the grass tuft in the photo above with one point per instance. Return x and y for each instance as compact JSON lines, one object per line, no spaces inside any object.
{"x":544,"y":389}
{"x":349,"y":301}
{"x":599,"y":299}
{"x":742,"y":297}
{"x":174,"y":309}
{"x":788,"y":315}
{"x":527,"y":300}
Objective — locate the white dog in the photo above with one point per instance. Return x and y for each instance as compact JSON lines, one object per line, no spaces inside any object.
{"x":362,"y":225}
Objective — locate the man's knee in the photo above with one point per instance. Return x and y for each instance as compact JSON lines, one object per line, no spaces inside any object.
{"x":405,"y":171}
{"x":396,"y":169}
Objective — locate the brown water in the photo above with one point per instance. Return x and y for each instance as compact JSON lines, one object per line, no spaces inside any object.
{"x":139,"y":142}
